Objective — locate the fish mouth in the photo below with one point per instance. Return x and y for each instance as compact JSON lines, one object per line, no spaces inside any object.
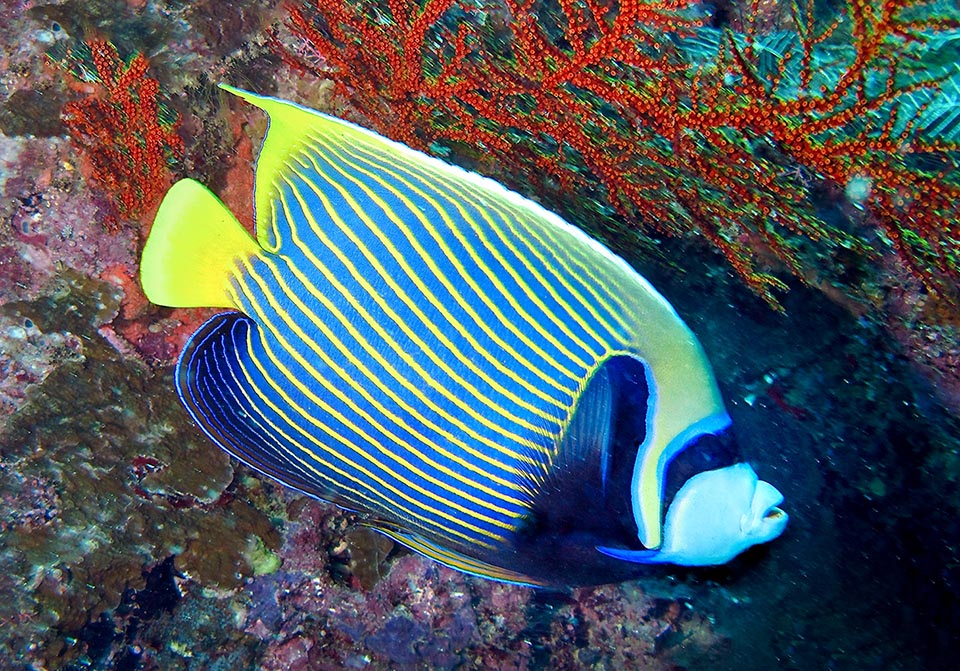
{"x":774,"y":513}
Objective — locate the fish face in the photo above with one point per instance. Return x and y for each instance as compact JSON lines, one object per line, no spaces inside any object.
{"x":718,"y":514}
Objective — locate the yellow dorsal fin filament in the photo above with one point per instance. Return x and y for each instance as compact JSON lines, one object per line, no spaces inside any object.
{"x":192,"y":253}
{"x":290,"y":125}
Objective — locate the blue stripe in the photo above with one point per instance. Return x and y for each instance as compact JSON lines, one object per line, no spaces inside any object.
{"x":512,"y":233}
{"x":358,"y":385}
{"x":363,"y":444}
{"x":208,"y":375}
{"x":399,"y":331}
{"x":209,"y":389}
{"x":343,"y":171}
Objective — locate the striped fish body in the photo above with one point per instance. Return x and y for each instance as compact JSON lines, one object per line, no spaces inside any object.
{"x":478,"y":378}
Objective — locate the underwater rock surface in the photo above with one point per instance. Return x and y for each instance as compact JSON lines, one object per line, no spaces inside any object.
{"x":129,"y":542}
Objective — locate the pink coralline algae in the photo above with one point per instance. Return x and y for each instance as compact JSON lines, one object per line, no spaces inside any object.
{"x":37,"y":504}
{"x":422,"y":615}
{"x":50,"y":220}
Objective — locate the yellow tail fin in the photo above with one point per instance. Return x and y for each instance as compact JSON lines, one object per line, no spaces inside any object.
{"x":191,"y":254}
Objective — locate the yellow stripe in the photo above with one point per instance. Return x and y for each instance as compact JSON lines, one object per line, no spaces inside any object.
{"x":388,"y":390}
{"x":411,"y":333}
{"x":483,"y":204}
{"x":358,"y":498}
{"x":383,"y":411}
{"x":535,"y":227}
{"x":452,"y":258}
{"x":561,"y":325}
{"x":383,"y":502}
{"x":440,"y":362}
{"x":375,"y":504}
{"x":314,"y":398}
{"x":618,"y":286}
{"x":533,"y":366}
{"x":401,"y":353}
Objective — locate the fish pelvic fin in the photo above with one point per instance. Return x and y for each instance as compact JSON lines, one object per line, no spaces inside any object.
{"x":193,"y":250}
{"x":636,"y":556}
{"x":453,"y":559}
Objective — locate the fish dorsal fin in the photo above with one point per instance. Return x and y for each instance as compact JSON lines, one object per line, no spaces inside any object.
{"x":453,"y":559}
{"x":288,"y":124}
{"x":291,"y":127}
{"x":192,"y":252}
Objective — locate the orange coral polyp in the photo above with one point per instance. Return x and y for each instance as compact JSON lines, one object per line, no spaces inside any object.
{"x":118,"y":130}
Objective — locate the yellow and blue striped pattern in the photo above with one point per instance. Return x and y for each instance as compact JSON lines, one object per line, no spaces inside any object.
{"x":412,"y":341}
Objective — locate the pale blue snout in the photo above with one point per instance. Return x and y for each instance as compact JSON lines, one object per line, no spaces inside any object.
{"x":715,"y":516}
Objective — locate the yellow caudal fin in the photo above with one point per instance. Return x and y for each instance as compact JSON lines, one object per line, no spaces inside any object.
{"x":191,"y":255}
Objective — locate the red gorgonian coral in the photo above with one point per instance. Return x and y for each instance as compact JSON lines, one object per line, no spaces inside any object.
{"x":668,"y":123}
{"x":120,"y":127}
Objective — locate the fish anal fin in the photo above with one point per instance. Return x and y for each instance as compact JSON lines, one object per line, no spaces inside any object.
{"x":453,"y":559}
{"x":193,"y":249}
{"x":216,"y":394}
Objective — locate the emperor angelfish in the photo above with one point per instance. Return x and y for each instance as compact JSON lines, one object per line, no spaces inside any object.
{"x":476,"y":377}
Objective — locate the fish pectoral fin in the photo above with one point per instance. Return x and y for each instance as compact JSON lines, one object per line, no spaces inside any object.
{"x":193,"y":249}
{"x":453,"y":559}
{"x":587,"y":437}
{"x":582,"y":455}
